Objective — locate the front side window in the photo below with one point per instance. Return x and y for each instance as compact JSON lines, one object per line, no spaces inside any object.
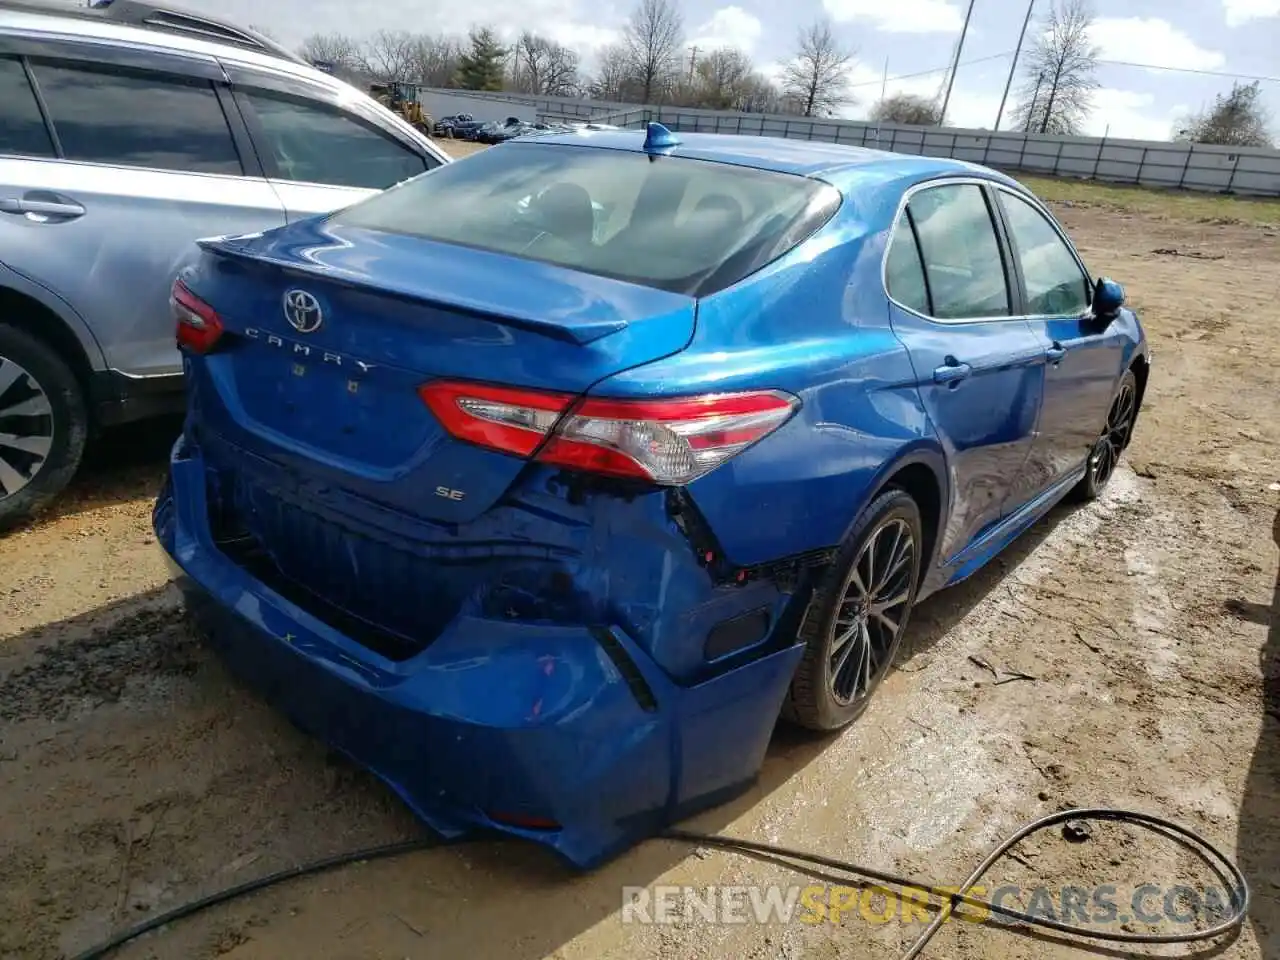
{"x":678,"y":224}
{"x":961,"y":254}
{"x":315,"y":143}
{"x":22,"y":129}
{"x":137,"y":119}
{"x":1056,"y":286}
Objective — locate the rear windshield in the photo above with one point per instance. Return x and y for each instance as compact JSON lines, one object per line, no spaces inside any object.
{"x":688,"y":226}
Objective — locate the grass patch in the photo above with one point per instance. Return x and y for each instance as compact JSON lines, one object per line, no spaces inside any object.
{"x":1170,"y":204}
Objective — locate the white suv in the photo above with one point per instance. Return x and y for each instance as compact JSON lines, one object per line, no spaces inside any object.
{"x":127,"y":131}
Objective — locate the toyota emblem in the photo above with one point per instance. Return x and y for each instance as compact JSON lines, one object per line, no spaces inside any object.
{"x":303,"y":312}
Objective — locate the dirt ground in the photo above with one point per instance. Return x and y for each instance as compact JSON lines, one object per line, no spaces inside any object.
{"x":135,"y":775}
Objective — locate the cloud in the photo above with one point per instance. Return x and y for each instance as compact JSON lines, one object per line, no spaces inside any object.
{"x":1242,"y":11}
{"x":1128,"y":114}
{"x":728,"y":27}
{"x":580,"y":24}
{"x":901,"y":16}
{"x":583,"y":38}
{"x":1152,"y":42}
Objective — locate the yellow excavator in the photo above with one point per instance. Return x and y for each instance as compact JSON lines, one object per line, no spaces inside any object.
{"x":402,"y":98}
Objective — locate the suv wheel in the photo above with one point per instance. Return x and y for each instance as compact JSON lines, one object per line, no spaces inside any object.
{"x":43,"y":425}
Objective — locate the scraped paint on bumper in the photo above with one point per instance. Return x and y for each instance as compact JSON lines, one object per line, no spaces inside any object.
{"x":570,"y":736}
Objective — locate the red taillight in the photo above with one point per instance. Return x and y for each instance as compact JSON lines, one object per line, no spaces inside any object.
{"x":198,"y":325}
{"x":670,"y":442}
{"x":503,"y":418}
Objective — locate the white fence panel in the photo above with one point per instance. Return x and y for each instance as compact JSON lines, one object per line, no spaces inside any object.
{"x":1252,"y":170}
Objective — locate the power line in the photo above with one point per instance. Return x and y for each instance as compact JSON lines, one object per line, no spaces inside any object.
{"x":1109,"y":63}
{"x":926,"y":73}
{"x":1203,"y":73}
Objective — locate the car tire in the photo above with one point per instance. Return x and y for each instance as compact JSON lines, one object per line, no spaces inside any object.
{"x":43,"y":406}
{"x":1116,"y":433}
{"x":834,"y":683}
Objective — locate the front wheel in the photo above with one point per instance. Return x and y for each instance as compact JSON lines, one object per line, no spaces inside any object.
{"x":43,"y":425}
{"x":859,"y":615}
{"x":1115,"y":436}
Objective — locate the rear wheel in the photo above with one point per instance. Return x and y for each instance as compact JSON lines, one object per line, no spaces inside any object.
{"x":1115,"y":436}
{"x":859,"y":615}
{"x":43,"y":425}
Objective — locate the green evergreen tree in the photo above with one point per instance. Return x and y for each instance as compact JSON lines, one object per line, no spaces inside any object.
{"x":482,"y":66}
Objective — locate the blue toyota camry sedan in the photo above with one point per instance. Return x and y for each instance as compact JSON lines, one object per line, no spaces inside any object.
{"x":542,"y":484}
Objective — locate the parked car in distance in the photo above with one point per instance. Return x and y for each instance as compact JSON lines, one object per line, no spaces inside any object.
{"x":452,"y":124}
{"x":470,"y":494}
{"x":495,"y":131}
{"x":462,"y":129}
{"x":513,"y":127}
{"x":128,"y":131}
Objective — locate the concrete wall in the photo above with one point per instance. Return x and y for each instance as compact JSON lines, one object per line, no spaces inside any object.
{"x":444,"y":103}
{"x":1243,"y":170}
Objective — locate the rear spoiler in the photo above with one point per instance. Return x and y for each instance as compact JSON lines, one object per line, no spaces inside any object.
{"x":579,"y":332}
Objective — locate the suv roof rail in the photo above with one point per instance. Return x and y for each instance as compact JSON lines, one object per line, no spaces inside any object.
{"x":155,"y":16}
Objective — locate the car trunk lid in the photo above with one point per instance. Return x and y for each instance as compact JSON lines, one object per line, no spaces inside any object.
{"x":329,"y":333}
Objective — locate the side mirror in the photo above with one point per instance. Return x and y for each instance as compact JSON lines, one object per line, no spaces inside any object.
{"x":1108,"y":298}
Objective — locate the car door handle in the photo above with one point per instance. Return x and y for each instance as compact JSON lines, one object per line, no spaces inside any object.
{"x":42,"y":205}
{"x":1055,"y":353}
{"x":952,"y":371}
{"x":52,"y":208}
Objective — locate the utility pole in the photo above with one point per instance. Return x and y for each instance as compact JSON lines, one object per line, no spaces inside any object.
{"x":1013,"y":66}
{"x":693,"y":62}
{"x":956,"y":65}
{"x":884,"y":81}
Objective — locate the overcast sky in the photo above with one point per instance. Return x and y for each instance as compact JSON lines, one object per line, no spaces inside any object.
{"x":1233,"y":36}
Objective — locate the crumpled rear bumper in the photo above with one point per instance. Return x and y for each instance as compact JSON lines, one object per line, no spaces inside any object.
{"x":571,"y":736}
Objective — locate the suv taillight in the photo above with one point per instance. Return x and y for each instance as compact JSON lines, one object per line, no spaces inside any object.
{"x":666,"y":441}
{"x":198,"y":325}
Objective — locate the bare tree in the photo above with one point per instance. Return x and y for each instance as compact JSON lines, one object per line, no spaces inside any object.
{"x":1058,"y":75}
{"x":389,"y":55}
{"x":1236,"y":119}
{"x":653,"y":39}
{"x":816,"y":79}
{"x":542,"y":66}
{"x":721,"y":78}
{"x":435,"y":60}
{"x":613,"y":79}
{"x":760,"y":95}
{"x":335,"y":48}
{"x":908,"y":108}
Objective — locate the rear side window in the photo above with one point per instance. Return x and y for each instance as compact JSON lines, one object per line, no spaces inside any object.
{"x":22,"y":129}
{"x":137,"y":119}
{"x":688,"y":226}
{"x":904,"y":270}
{"x":961,"y":254}
{"x":313,"y":143}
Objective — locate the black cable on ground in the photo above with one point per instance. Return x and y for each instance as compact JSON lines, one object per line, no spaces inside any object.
{"x":951,"y":898}
{"x":252,"y":886}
